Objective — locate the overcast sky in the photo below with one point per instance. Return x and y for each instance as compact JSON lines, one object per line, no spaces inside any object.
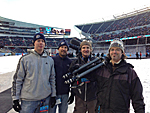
{"x":66,"y":13}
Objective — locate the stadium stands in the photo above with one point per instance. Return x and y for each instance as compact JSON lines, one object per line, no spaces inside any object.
{"x":133,"y":28}
{"x":127,"y":26}
{"x":16,"y":36}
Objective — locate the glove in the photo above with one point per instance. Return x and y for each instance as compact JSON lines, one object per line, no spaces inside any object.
{"x":76,"y":66}
{"x":106,"y":60}
{"x":52,"y":102}
{"x":71,"y":99}
{"x":16,"y":105}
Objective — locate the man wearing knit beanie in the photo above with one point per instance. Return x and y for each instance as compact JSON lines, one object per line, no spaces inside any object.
{"x":34,"y":80}
{"x":85,"y":91}
{"x":117,"y":43}
{"x":118,"y":83}
{"x":61,"y":65}
{"x":116,"y":51}
{"x":62,"y":43}
{"x":38,"y":36}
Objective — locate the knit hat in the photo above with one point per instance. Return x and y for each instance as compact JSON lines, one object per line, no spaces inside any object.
{"x":62,"y":43}
{"x":38,"y":36}
{"x":117,"y":43}
{"x":85,"y":43}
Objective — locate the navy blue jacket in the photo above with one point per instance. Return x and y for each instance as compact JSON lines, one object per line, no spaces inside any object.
{"x":61,"y":66}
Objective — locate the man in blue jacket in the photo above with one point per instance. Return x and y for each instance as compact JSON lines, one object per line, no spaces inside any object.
{"x":61,"y":65}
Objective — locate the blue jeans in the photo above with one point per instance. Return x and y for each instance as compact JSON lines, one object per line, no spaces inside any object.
{"x":63,"y":106}
{"x":30,"y":106}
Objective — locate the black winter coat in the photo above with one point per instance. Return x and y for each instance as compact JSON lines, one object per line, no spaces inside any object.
{"x":61,"y":66}
{"x":87,"y":91}
{"x":116,"y":88}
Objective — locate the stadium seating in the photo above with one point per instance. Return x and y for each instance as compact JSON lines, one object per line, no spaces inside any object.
{"x":26,"y":42}
{"x":126,"y":26}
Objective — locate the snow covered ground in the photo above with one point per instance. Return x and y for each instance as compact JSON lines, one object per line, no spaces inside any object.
{"x":142,"y":67}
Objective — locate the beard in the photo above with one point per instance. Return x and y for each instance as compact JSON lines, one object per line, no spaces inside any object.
{"x":63,"y":53}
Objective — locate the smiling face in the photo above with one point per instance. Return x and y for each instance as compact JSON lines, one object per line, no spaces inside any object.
{"x":63,"y":51}
{"x":86,"y":51}
{"x":115,"y":54}
{"x":39,"y":45}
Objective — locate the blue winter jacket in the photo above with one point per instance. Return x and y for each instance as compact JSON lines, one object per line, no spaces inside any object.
{"x":61,"y":66}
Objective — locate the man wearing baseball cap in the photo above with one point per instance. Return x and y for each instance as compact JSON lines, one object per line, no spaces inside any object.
{"x":34,"y":80}
{"x":118,"y":83}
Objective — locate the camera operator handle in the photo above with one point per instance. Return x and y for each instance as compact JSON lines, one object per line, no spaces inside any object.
{"x":69,"y":81}
{"x":67,"y":75}
{"x":84,"y":73}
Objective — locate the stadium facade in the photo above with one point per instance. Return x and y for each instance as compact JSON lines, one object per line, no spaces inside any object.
{"x":16,"y":36}
{"x":132,"y":28}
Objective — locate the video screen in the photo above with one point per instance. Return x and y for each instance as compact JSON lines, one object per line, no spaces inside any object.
{"x":54,"y":31}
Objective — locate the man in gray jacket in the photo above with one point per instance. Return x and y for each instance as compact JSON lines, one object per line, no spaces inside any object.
{"x":34,"y":80}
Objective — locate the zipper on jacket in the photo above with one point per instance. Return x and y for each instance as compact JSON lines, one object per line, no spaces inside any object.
{"x":85,"y":91}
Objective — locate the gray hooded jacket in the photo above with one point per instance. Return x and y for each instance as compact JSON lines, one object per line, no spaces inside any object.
{"x":34,"y":78}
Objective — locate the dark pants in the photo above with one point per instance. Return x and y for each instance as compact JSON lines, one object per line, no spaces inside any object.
{"x":63,"y":106}
{"x":82,"y":106}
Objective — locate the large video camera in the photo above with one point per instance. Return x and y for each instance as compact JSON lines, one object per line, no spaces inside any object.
{"x":75,"y":44}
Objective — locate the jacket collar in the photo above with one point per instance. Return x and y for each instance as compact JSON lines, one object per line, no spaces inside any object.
{"x":62,"y":57}
{"x":120,"y":67}
{"x":44,"y":54}
{"x":117,"y":62}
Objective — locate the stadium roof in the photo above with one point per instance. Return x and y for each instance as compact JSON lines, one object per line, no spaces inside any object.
{"x":24,"y":24}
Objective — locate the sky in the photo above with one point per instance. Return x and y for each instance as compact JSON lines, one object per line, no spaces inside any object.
{"x":67,"y":13}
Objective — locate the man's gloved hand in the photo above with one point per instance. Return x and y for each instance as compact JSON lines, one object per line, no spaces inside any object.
{"x":71,"y":99}
{"x":16,"y":105}
{"x":106,"y":60}
{"x":53,"y":102}
{"x":76,"y":66}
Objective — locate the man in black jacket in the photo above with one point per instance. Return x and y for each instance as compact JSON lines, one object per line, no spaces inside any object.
{"x":61,"y":65}
{"x":84,"y":90}
{"x":118,"y":83}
